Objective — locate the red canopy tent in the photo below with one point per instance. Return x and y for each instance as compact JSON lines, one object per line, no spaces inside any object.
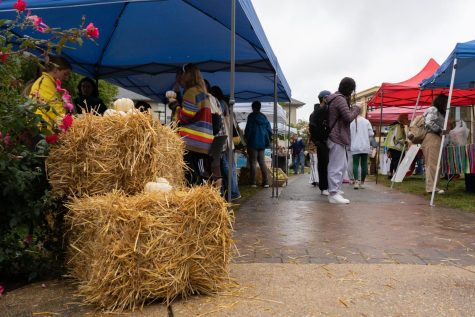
{"x":406,"y":92}
{"x":391,"y":114}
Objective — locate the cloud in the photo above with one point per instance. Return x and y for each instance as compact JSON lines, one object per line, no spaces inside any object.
{"x":318,"y":42}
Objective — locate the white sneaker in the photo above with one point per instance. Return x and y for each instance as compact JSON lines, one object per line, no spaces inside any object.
{"x":340,"y":192}
{"x":356,"y":185}
{"x":338,"y":199}
{"x":324,"y":192}
{"x":362,"y":185}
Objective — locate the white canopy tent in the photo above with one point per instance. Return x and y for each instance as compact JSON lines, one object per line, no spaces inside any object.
{"x":281,"y":128}
{"x":242,"y":110}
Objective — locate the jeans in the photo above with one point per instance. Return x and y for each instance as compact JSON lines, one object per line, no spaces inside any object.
{"x":299,"y":161}
{"x":257,"y":155}
{"x":234,"y":183}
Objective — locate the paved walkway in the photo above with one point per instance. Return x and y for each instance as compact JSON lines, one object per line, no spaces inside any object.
{"x":379,"y":226}
{"x":364,"y":259}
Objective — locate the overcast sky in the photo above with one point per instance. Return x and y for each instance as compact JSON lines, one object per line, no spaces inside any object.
{"x":318,"y":42}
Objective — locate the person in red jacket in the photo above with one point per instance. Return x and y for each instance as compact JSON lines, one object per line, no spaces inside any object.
{"x":340,"y":115}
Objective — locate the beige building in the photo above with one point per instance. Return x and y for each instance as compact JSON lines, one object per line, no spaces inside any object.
{"x":364,"y":96}
{"x":292,"y":108}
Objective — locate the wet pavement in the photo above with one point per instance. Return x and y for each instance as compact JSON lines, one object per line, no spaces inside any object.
{"x":380,"y":225}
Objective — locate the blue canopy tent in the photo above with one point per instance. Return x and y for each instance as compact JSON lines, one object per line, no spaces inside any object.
{"x":144,"y":42}
{"x":457,"y":72}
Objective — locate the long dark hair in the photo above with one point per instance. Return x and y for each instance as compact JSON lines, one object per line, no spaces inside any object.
{"x":347,"y":86}
{"x":440,"y":102}
{"x":95,"y":90}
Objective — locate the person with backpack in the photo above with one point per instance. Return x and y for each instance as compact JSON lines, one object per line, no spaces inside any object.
{"x":318,"y":128}
{"x":258,"y":135}
{"x":395,"y":140}
{"x":340,"y":115}
{"x":434,"y":118}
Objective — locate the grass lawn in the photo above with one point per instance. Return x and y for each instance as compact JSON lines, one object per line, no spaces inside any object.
{"x":455,"y":197}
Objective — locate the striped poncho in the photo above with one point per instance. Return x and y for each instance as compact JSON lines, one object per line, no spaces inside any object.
{"x":195,"y":123}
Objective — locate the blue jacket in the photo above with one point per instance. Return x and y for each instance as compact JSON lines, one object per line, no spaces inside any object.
{"x":297,"y":147}
{"x":258,"y":132}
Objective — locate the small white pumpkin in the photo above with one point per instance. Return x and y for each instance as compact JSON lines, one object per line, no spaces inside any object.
{"x":161,"y":185}
{"x":110,"y":112}
{"x":170,"y":94}
{"x":123,"y":104}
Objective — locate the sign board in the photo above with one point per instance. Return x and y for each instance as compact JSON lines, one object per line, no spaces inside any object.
{"x":406,"y":163}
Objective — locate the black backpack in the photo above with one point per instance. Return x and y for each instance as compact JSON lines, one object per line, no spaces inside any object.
{"x":319,"y":124}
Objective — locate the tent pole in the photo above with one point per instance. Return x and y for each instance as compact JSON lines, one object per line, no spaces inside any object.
{"x":274,"y":143}
{"x":379,"y":140}
{"x":404,"y":146}
{"x":231,"y":99}
{"x":447,"y":113}
{"x":472,"y":124}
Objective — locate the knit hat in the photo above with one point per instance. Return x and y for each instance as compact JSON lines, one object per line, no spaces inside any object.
{"x":324,"y":93}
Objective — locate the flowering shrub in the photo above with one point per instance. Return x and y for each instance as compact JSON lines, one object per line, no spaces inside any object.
{"x":30,"y":219}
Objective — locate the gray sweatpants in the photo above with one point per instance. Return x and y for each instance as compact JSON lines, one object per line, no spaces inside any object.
{"x":337,"y":165}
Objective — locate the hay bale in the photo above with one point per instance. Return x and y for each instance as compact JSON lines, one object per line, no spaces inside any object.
{"x":129,"y":250}
{"x":101,"y":154}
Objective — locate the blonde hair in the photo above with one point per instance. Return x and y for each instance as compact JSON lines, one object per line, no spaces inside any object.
{"x":192,"y":77}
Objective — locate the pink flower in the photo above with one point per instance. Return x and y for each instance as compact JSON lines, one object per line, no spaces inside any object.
{"x":67,"y":122}
{"x":69,"y":106}
{"x":38,"y":23}
{"x":6,"y":139}
{"x":20,"y":6}
{"x":3,"y":57}
{"x":28,"y":239}
{"x":92,"y":31}
{"x":51,"y":139}
{"x":67,"y":103}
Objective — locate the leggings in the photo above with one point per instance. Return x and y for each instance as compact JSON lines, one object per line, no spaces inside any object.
{"x":364,"y":166}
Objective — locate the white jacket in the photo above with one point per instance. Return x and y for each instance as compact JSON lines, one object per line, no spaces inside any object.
{"x":361,"y":131}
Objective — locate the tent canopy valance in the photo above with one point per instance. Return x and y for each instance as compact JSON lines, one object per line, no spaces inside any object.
{"x":391,"y":114}
{"x":406,"y":92}
{"x":143,"y":43}
{"x":242,"y":110}
{"x":464,"y":79}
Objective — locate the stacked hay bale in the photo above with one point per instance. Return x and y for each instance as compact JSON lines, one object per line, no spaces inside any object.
{"x":131,"y":250}
{"x":101,"y":154}
{"x":128,"y":247}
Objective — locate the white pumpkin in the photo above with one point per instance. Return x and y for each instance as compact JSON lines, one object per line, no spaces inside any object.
{"x":170,"y":94}
{"x":110,"y":112}
{"x":161,"y":185}
{"x":123,"y":104}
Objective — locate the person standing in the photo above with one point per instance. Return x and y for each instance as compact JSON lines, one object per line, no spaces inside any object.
{"x":298,"y":155}
{"x":235,"y":193}
{"x":88,"y":98}
{"x":195,"y":124}
{"x":45,"y":90}
{"x":258,"y":134}
{"x":361,"y":133}
{"x":394,"y":142}
{"x":434,"y":118}
{"x":322,"y":149}
{"x":340,"y":115}
{"x":312,"y":153}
